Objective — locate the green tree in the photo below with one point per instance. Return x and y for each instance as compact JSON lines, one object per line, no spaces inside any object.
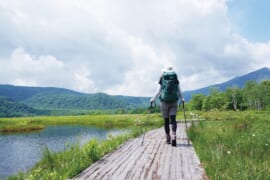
{"x":264,"y":93}
{"x":196,"y":102}
{"x":218,"y":101}
{"x":206,"y":104}
{"x":235,"y":98}
{"x":252,"y":98}
{"x":215,"y":100}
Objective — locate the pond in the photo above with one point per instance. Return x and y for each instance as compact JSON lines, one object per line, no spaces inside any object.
{"x":20,"y":152}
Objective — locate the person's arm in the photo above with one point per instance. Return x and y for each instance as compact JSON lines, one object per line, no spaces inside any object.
{"x":157,"y":93}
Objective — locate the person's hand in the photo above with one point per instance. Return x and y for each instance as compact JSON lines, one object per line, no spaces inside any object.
{"x":182,"y":102}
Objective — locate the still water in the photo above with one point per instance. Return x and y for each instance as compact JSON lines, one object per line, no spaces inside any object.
{"x":20,"y":152}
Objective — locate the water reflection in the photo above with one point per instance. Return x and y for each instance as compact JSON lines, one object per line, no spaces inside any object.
{"x":19,"y":152}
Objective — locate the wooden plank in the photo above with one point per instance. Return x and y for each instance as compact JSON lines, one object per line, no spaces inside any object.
{"x":155,"y":160}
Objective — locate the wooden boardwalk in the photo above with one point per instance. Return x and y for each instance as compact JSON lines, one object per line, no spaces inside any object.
{"x":154,"y":160}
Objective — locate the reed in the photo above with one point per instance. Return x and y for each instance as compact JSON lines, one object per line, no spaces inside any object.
{"x":22,"y":124}
{"x":233,"y":145}
{"x":68,"y":163}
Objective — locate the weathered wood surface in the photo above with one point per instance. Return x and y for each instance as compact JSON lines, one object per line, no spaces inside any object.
{"x":154,"y":160}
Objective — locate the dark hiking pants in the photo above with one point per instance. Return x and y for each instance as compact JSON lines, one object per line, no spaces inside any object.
{"x":169,"y":111}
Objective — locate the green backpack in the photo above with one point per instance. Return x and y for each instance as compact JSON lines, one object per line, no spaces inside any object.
{"x":169,"y":88}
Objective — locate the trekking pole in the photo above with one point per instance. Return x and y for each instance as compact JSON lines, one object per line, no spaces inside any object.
{"x":183,"y":102}
{"x":149,"y":111}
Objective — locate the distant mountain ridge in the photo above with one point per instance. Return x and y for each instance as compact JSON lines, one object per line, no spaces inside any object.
{"x":21,"y":93}
{"x":38,"y":100}
{"x":43,"y":100}
{"x":240,"y":81}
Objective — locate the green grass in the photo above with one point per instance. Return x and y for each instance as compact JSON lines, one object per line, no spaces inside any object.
{"x":107,"y":121}
{"x":68,"y":163}
{"x":233,"y":145}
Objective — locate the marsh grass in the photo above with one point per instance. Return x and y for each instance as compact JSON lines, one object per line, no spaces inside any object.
{"x":68,"y":163}
{"x":233,"y":145}
{"x":23,"y":124}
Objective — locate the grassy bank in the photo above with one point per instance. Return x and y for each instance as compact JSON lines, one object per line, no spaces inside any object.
{"x":233,"y":145}
{"x":68,"y":163}
{"x":37,"y":123}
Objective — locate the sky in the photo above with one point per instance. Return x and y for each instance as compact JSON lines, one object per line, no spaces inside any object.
{"x":120,"y":46}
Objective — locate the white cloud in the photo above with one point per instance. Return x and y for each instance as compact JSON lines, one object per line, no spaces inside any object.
{"x":24,"y":69}
{"x":83,"y":83}
{"x":244,"y":55}
{"x":120,"y":46}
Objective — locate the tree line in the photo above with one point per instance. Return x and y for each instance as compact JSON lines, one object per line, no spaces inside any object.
{"x":253,"y":96}
{"x":10,"y":108}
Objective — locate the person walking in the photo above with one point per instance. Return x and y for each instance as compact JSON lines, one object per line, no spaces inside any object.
{"x":169,"y":93}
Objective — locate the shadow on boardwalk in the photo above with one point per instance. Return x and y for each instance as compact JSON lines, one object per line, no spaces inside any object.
{"x":154,"y":160}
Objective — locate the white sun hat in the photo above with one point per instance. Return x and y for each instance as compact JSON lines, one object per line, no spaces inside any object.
{"x":167,"y":68}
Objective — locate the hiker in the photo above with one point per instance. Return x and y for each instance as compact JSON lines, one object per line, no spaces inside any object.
{"x":169,"y":93}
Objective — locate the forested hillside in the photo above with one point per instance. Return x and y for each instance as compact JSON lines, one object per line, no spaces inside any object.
{"x":91,"y":101}
{"x":257,"y":76}
{"x":10,"y":108}
{"x":59,"y":101}
{"x":253,"y":96}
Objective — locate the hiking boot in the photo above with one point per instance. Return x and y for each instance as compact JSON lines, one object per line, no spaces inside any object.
{"x":168,"y":139}
{"x":173,"y":139}
{"x":174,"y":142}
